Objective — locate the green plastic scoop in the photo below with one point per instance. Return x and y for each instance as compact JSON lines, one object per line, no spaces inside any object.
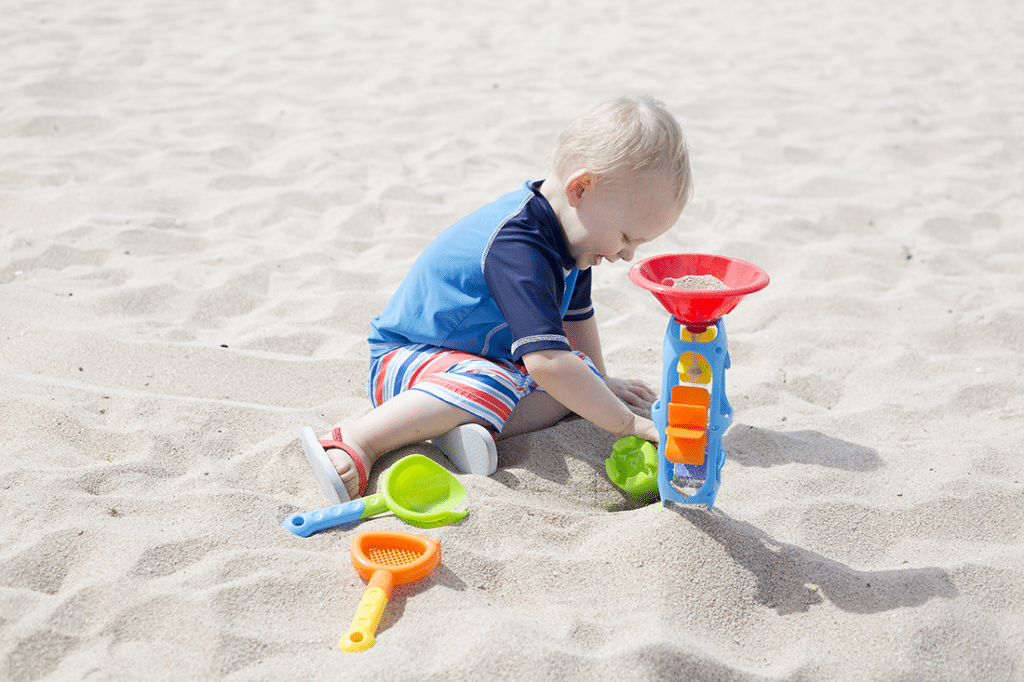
{"x":417,"y":489}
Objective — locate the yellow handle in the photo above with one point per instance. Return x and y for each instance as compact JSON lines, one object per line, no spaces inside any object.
{"x":360,"y":636}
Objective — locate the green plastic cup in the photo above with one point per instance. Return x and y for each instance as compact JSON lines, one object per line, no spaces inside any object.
{"x":633,"y":466}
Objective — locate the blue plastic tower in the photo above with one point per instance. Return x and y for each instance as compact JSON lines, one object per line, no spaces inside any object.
{"x":716,"y":353}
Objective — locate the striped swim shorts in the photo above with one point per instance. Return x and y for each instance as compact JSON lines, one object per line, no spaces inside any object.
{"x":487,"y":388}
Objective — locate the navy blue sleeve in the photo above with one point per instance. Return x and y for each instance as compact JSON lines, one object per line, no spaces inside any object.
{"x":580,"y":306}
{"x":524,"y":276}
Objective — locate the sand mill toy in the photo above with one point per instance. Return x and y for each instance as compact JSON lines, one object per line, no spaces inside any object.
{"x":692,"y":413}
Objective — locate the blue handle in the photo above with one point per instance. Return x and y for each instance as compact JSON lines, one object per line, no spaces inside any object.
{"x":308,"y":523}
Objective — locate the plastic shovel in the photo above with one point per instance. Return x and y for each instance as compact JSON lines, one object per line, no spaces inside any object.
{"x":417,"y":489}
{"x":385,"y":559}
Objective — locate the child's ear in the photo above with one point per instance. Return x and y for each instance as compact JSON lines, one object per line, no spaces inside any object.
{"x":577,"y":185}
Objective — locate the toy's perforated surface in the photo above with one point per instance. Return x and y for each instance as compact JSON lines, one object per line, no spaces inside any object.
{"x":388,"y":556}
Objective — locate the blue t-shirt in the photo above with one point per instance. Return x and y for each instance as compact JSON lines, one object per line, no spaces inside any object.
{"x":497,"y":283}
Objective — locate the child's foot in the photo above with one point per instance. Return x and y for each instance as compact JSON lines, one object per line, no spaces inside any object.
{"x":470,"y":448}
{"x":338,"y":467}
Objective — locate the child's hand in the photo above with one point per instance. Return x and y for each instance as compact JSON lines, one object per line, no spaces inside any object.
{"x":641,"y":427}
{"x":632,"y":392}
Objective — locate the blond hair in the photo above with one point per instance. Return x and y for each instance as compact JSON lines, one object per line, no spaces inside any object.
{"x":625,"y":135}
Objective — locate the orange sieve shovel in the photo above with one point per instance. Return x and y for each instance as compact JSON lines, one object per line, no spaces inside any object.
{"x":385,"y":558}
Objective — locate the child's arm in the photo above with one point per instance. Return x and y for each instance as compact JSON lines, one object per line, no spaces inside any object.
{"x":569,"y":380}
{"x":583,"y":336}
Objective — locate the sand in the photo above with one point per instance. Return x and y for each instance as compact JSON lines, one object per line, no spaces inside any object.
{"x":698,"y":283}
{"x":203,"y":205}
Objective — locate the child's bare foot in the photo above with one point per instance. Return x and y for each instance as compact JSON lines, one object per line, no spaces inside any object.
{"x":342,"y":473}
{"x":345,"y":465}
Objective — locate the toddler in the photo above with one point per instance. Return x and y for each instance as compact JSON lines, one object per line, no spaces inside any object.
{"x":492,"y":332}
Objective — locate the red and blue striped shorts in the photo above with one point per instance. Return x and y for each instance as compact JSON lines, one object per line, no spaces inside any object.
{"x":487,"y":388}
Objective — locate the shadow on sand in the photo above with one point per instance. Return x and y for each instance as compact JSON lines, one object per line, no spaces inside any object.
{"x":757,"y":447}
{"x":792,"y":579}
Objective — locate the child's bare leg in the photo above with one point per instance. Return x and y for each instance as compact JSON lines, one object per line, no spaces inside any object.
{"x":409,"y":417}
{"x":537,"y":410}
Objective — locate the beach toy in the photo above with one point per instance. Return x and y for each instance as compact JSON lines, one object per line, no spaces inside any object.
{"x":633,"y":466}
{"x":385,"y":559}
{"x":693,"y":413}
{"x":417,"y":489}
{"x":698,"y":309}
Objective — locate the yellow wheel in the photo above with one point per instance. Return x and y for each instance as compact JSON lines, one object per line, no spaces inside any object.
{"x":694,"y":369}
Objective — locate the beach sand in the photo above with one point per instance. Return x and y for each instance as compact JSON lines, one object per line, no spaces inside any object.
{"x":204,"y":204}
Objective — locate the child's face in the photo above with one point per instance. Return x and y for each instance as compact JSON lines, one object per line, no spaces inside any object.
{"x":610,"y":220}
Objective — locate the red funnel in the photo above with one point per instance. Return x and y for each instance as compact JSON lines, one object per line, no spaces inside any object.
{"x":698,"y":309}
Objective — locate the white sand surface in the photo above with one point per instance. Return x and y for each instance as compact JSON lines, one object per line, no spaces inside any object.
{"x":203,"y":204}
